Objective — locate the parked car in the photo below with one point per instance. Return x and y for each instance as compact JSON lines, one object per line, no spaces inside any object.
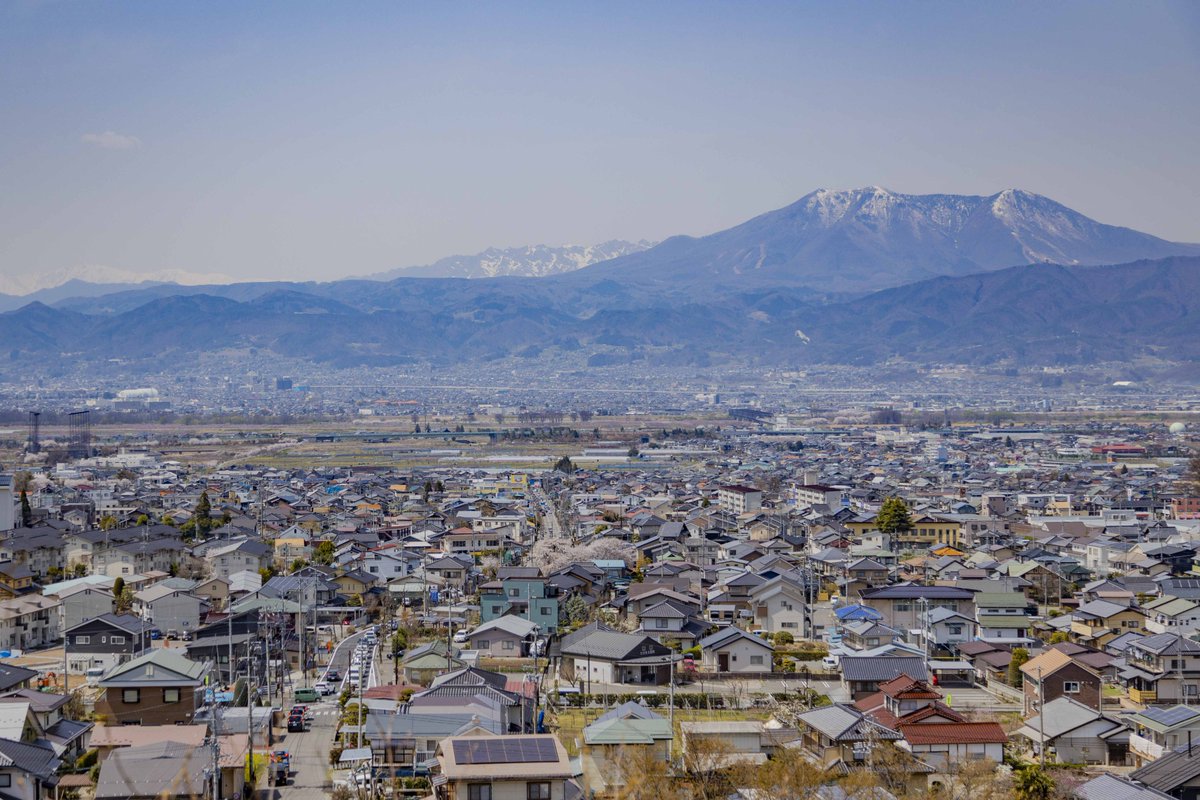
{"x":460,"y":635}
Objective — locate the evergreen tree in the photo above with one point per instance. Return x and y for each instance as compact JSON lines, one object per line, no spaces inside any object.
{"x":893,"y":516}
{"x":1019,"y":656}
{"x":564,"y":464}
{"x":203,"y":515}
{"x":26,"y":510}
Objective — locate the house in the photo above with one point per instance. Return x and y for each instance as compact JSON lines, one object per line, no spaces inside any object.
{"x":68,"y":737}
{"x":1055,"y":674}
{"x":1121,"y":787}
{"x":945,"y":745}
{"x":158,"y":688}
{"x":901,"y":605}
{"x":1076,"y":734}
{"x":671,"y":622}
{"x":529,"y":766}
{"x":82,"y":601}
{"x":404,"y":743}
{"x":863,"y":675}
{"x":28,"y":771}
{"x":944,"y":630}
{"x":215,"y":591}
{"x":733,"y":650}
{"x":106,"y":641}
{"x":598,"y":653}
{"x":1169,"y":614}
{"x":618,"y":732}
{"x":161,"y":769}
{"x":1004,"y":618}
{"x":1162,"y":669}
{"x":1097,"y":622}
{"x":422,"y":663}
{"x":453,"y":571}
{"x":1158,"y":730}
{"x":172,"y":611}
{"x":1175,"y":775}
{"x":840,"y":734}
{"x":28,"y":622}
{"x":246,"y":554}
{"x":522,"y":591}
{"x":779,"y":604}
{"x":505,"y":637}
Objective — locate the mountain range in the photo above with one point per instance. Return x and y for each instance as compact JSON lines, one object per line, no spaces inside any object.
{"x":868,"y":239}
{"x":860,"y":277}
{"x":534,"y":261}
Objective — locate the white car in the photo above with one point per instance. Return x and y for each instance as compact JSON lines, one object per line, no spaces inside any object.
{"x":460,"y":636}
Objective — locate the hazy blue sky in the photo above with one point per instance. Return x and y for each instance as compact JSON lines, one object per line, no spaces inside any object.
{"x":321,"y":140}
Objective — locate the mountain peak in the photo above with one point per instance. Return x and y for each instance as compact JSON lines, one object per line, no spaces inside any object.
{"x":852,"y":240}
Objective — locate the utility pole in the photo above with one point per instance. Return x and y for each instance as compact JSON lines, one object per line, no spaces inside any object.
{"x":1041,"y":720}
{"x":229,"y":631}
{"x":216,"y":756}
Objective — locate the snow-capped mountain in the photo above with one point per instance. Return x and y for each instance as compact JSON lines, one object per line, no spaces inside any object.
{"x":534,"y":261}
{"x":99,"y":274}
{"x":867,"y":239}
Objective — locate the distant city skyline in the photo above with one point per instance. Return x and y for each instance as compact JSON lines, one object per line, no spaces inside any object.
{"x":309,"y":142}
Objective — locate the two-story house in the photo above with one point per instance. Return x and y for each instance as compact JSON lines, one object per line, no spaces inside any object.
{"x":160,"y":687}
{"x":1162,"y":669}
{"x":106,"y":640}
{"x":902,"y":604}
{"x":1005,"y":619}
{"x":28,"y":622}
{"x":1054,"y":674}
{"x":171,"y":610}
{"x":521,"y":591}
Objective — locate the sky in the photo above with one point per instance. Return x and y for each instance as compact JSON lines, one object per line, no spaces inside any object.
{"x":312,"y":141}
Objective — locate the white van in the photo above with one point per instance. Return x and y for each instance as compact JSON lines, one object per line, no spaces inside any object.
{"x":94,"y":674}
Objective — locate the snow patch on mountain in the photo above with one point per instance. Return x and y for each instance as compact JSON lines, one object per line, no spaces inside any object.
{"x":532,"y":261}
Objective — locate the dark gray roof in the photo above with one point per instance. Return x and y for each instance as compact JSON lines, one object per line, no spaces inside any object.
{"x":31,"y":758}
{"x":1113,"y":787}
{"x":864,"y":668}
{"x":164,"y":767}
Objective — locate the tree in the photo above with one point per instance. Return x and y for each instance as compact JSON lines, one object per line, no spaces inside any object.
{"x":632,"y":452}
{"x":893,"y":516}
{"x":323,"y":553}
{"x":203,"y":515}
{"x":26,"y":510}
{"x":1059,"y":637}
{"x":564,"y":464}
{"x":118,"y":586}
{"x":1031,"y":782}
{"x":1019,"y":656}
{"x":1194,"y":470}
{"x":576,"y":610}
{"x":107,"y":523}
{"x":783,"y":637}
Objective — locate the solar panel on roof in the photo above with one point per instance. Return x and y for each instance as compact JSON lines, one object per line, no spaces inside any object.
{"x":504,"y":750}
{"x":1169,"y":716}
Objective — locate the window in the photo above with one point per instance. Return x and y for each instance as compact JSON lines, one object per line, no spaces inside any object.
{"x":756,"y":660}
{"x":170,"y":695}
{"x":116,"y":639}
{"x":545,"y":612}
{"x":131,"y":696}
{"x":903,"y":607}
{"x":479,"y":791}
{"x":955,"y":630}
{"x":508,"y":644}
{"x":1071,"y":687}
{"x":83,"y":640}
{"x":484,"y":644}
{"x":495,"y":609}
{"x":660,"y":623}
{"x":538,"y":791}
{"x":514,"y":592}
{"x":5,"y":779}
{"x":789,"y":626}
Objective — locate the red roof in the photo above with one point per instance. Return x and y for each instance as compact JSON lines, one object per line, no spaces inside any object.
{"x":954,"y":733}
{"x":908,"y":687}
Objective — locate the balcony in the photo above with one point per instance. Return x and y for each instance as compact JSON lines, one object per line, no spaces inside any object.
{"x":1144,"y":748}
{"x":1146,"y":697}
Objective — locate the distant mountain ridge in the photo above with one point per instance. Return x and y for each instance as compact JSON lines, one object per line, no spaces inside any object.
{"x":102,"y":275}
{"x":533,"y":261}
{"x":867,"y":239}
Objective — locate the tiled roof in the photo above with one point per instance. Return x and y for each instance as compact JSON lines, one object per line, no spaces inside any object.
{"x":953,"y":733}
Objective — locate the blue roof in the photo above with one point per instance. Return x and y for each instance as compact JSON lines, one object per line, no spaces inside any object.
{"x":856,"y":612}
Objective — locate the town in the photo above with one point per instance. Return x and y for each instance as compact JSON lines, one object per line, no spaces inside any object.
{"x":734,"y":606}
